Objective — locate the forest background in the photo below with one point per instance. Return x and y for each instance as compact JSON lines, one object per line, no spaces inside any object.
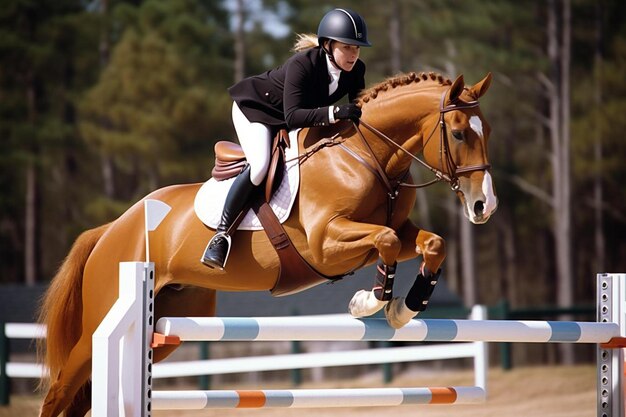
{"x":103,"y":101}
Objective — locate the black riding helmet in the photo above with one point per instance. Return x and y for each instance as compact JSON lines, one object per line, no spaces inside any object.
{"x":343,"y":25}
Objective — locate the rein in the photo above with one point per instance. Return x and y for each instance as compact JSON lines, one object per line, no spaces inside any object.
{"x":445,"y":157}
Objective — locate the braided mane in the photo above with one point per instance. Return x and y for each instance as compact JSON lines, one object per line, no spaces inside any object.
{"x":401,"y":80}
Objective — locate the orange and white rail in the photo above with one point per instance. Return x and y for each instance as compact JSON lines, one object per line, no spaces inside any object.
{"x":315,"y":398}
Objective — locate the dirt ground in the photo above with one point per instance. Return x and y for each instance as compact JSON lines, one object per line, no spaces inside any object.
{"x":524,"y":392}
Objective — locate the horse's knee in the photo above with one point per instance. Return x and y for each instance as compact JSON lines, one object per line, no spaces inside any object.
{"x":388,"y":245}
{"x":433,"y":249}
{"x":436,"y":246}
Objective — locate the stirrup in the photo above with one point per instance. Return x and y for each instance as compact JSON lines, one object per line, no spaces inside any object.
{"x":229,"y":241}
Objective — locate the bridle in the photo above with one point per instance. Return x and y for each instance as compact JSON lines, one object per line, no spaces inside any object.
{"x":448,"y":170}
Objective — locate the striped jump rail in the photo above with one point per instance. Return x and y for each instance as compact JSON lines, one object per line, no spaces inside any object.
{"x":308,"y":398}
{"x":173,"y":330}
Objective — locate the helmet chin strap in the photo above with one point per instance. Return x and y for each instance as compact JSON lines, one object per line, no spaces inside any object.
{"x":332,"y":61}
{"x":331,"y":58}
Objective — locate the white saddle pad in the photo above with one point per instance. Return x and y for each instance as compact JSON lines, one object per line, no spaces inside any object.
{"x":210,"y":199}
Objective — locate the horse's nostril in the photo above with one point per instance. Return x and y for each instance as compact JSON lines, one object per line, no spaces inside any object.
{"x":479,"y":208}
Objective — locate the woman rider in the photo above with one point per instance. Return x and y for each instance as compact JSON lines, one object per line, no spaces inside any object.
{"x":299,"y":93}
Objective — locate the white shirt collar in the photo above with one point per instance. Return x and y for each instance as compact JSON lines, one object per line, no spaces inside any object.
{"x":333,"y":71}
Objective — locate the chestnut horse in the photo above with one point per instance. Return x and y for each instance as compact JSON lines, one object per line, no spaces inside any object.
{"x":340,"y":218}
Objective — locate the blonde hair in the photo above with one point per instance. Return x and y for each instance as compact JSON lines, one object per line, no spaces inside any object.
{"x":305,"y":41}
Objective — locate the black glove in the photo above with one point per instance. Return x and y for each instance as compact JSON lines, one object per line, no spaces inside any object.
{"x":347,"y":111}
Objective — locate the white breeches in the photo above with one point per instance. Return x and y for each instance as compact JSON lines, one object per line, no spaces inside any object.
{"x":256,"y":141}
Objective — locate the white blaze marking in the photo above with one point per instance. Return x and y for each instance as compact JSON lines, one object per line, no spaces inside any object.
{"x":476,"y":125}
{"x":491,"y":200}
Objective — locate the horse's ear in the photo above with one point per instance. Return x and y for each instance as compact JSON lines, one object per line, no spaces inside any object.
{"x":481,"y":87}
{"x":455,"y":90}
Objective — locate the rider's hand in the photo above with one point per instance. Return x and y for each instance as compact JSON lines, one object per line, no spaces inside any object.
{"x":347,"y":111}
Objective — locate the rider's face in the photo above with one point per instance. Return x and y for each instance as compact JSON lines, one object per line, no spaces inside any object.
{"x":345,"y":55}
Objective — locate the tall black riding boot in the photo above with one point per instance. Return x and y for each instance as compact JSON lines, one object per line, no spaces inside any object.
{"x":216,"y":252}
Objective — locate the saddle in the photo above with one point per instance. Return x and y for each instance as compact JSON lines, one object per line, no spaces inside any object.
{"x":295,"y":272}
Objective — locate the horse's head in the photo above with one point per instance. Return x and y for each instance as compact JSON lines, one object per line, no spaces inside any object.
{"x":452,"y":136}
{"x":460,"y":151}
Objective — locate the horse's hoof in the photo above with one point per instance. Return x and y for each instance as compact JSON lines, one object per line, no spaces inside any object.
{"x":398,"y":314}
{"x":364,"y":304}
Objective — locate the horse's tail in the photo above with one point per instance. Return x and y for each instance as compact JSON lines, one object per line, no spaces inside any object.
{"x":61,"y":308}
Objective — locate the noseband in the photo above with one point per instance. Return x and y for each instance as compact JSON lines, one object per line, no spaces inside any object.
{"x":448,"y":170}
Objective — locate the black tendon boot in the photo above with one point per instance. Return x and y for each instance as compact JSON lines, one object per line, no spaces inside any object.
{"x":419,"y":294}
{"x":383,"y":289}
{"x":216,"y":252}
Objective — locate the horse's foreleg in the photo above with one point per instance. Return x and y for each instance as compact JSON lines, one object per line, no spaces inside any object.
{"x":346,"y":239}
{"x":432,"y":248}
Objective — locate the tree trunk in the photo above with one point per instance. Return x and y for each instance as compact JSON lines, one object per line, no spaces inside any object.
{"x":108,"y":175}
{"x":240,"y":45}
{"x":566,"y":292}
{"x":30,"y":227}
{"x":598,"y":189}
{"x":395,"y":37}
{"x":468,"y":264}
{"x":559,"y":99}
{"x":30,"y":214}
{"x":451,"y":268}
{"x":509,"y":281}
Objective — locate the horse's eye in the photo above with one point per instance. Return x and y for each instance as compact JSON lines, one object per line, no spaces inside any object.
{"x":458,"y":134}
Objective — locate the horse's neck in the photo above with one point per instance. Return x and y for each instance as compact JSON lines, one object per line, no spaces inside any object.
{"x":408,"y":131}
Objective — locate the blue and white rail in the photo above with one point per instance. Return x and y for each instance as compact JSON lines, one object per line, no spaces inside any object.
{"x":347,"y":328}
